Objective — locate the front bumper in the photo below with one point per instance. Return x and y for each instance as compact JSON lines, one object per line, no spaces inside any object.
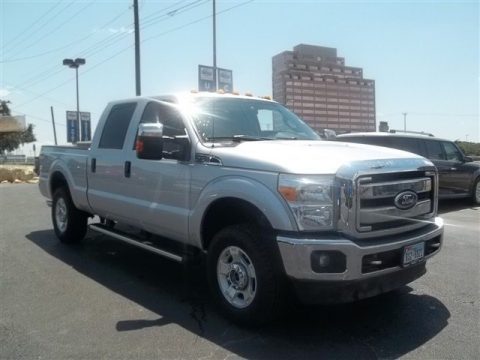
{"x":296,"y":254}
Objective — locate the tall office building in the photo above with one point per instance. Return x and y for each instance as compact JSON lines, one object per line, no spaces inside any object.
{"x":315,"y":83}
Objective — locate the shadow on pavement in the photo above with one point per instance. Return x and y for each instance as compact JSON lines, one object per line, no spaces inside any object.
{"x":451,"y":205}
{"x":387,"y":326}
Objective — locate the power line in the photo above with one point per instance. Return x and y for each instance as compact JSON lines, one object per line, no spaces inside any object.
{"x":390,"y":115}
{"x":47,"y":92}
{"x":130,"y":46}
{"x":196,"y":21}
{"x":57,"y":69}
{"x":32,"y":24}
{"x":59,"y":26}
{"x":38,"y":118}
{"x":145,"y":18}
{"x":35,"y":30}
{"x":442,"y":114}
{"x":148,"y":22}
{"x":99,"y":46}
{"x":46,"y":97}
{"x":76,"y":42}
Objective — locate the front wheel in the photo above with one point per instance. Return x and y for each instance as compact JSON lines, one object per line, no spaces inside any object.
{"x":243,"y":275}
{"x":69,"y":223}
{"x":476,"y":192}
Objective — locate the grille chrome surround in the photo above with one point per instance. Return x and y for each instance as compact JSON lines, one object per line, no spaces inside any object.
{"x":365,"y":197}
{"x":379,"y":213}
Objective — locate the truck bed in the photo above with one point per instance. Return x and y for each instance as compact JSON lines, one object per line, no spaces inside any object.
{"x":71,"y":161}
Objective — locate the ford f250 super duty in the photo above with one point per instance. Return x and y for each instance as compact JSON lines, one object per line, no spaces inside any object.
{"x":245,"y":184}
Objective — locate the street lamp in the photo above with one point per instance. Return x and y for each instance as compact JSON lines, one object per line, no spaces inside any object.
{"x":75,"y":64}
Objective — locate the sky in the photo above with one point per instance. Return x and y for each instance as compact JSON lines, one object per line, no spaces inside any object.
{"x":423,"y":55}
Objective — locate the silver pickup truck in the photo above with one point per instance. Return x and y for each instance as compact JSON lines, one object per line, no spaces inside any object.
{"x":245,"y":184}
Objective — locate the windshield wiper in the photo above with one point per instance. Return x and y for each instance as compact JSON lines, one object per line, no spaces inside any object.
{"x":286,"y":138}
{"x":238,"y":138}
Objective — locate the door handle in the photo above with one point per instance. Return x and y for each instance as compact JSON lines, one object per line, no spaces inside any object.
{"x":93,"y":165}
{"x":127,"y":168}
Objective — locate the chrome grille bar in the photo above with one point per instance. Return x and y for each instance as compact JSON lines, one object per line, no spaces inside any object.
{"x":391,"y":213}
{"x":392,"y":188}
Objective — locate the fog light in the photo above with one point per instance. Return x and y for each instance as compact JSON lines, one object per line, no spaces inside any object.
{"x":324,"y":260}
{"x":328,"y":261}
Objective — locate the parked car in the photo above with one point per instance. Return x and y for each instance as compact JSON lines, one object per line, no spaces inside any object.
{"x":246,"y":184}
{"x":459,"y":175}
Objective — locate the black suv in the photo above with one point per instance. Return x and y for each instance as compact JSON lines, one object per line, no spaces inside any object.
{"x":459,"y":175}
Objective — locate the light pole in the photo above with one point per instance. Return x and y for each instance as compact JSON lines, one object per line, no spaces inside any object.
{"x":215,"y":46}
{"x":75,"y":64}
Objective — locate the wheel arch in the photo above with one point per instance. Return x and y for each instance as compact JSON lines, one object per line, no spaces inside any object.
{"x":230,"y":211}
{"x":235,"y":200}
{"x":475,"y":178}
{"x":57,"y":180}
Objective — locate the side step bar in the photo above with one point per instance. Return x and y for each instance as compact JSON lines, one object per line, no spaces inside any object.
{"x":134,"y":241}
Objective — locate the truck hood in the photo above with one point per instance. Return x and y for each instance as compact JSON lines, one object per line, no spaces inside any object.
{"x":308,"y":157}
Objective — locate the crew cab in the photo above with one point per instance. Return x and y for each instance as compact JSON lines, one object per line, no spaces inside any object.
{"x":245,"y":184}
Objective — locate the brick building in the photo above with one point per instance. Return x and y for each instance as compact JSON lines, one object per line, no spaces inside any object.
{"x":317,"y":85}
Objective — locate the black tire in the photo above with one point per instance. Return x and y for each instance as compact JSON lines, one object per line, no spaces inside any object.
{"x":476,"y":192}
{"x":74,"y":228}
{"x":268,"y":299}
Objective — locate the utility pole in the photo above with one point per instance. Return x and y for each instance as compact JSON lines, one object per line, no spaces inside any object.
{"x":214,"y":47}
{"x":404,"y":121}
{"x":53,"y":124}
{"x":138,"y":90}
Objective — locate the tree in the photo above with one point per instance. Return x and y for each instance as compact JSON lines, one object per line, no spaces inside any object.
{"x":11,"y":141}
{"x":4,"y":109}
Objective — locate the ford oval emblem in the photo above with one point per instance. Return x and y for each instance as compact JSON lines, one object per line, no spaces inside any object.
{"x":406,"y":200}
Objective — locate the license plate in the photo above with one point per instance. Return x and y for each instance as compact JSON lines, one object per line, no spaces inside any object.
{"x":413,"y":253}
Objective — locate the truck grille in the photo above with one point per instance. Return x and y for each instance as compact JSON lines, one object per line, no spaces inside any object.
{"x":389,"y":201}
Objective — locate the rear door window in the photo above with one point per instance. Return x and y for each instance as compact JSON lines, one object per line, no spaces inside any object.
{"x":368,"y":140}
{"x":406,"y":144}
{"x":434,"y":150}
{"x":116,"y":126}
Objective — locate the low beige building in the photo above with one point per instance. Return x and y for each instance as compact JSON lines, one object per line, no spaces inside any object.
{"x":12,"y":123}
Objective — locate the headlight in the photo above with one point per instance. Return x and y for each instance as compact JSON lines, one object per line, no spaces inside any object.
{"x":311,"y":199}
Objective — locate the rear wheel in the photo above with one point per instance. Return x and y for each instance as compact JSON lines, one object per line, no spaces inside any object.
{"x":243,"y":275}
{"x":476,"y":192}
{"x":69,"y":223}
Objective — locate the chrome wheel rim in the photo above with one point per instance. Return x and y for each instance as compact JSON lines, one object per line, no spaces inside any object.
{"x":61,"y":214}
{"x":236,"y":277}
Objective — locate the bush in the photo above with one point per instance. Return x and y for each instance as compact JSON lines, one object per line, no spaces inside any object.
{"x":469,"y":148}
{"x":11,"y":175}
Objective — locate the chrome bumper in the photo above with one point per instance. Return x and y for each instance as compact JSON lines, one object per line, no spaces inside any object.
{"x":296,"y":253}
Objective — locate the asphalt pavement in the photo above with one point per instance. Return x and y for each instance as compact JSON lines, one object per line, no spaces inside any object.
{"x":103,"y":299}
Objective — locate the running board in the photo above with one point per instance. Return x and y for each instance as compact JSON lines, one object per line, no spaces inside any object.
{"x":134,"y":241}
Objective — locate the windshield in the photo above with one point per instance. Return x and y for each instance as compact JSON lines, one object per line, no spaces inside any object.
{"x":235,"y":119}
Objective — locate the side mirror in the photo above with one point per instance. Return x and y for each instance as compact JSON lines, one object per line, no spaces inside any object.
{"x":149,"y":144}
{"x":467,"y":159}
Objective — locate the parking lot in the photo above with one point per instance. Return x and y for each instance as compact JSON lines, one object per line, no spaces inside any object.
{"x":104,"y":299}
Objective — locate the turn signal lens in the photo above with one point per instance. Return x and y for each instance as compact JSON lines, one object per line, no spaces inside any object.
{"x":288,"y":193}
